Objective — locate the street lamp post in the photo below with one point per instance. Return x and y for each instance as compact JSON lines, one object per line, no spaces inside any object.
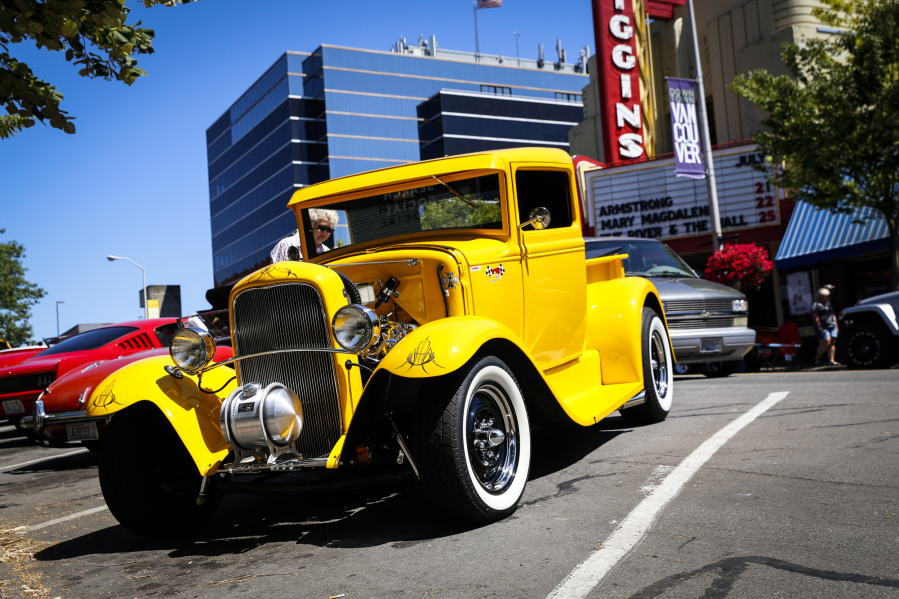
{"x":57,"y":317}
{"x":517,"y":51}
{"x":714,"y":215}
{"x":144,"y":272}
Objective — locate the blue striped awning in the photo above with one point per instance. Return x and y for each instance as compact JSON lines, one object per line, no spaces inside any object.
{"x":815,"y":236}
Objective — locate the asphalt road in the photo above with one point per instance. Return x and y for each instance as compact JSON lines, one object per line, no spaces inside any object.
{"x":803,"y":501}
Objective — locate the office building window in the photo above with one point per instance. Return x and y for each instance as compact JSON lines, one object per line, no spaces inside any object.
{"x":497,"y":89}
{"x":568,"y":97}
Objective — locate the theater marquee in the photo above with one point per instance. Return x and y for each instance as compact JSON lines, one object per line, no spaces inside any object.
{"x":646,"y":199}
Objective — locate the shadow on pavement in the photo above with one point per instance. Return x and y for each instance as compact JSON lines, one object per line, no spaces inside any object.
{"x":558,"y":447}
{"x":11,"y":433}
{"x":389,"y":513}
{"x":65,"y":463}
{"x":384,"y":514}
{"x":15,"y":440}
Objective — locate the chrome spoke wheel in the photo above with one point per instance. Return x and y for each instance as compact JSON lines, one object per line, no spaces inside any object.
{"x":474,"y":443}
{"x":659,"y":362}
{"x":491,"y":436}
{"x":658,"y":373}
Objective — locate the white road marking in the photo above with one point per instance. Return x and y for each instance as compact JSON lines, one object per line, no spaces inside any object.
{"x":51,"y":457}
{"x":655,"y":479}
{"x":63,"y":519}
{"x":590,"y":572}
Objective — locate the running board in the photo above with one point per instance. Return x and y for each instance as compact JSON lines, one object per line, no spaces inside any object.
{"x":636,"y":400}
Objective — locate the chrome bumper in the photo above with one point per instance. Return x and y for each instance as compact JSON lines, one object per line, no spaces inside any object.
{"x":39,"y":420}
{"x":735,"y":343}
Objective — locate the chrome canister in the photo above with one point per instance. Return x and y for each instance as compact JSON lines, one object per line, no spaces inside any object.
{"x":253,"y":416}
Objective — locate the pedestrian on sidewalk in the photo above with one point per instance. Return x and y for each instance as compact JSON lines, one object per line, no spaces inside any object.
{"x":826,"y":328}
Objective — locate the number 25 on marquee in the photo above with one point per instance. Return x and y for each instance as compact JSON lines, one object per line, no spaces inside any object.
{"x":767,"y":216}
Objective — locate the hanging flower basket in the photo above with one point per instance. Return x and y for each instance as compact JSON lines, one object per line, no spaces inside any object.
{"x":739,"y":265}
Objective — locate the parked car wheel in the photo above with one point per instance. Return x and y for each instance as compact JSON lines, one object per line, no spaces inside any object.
{"x":148,"y":478}
{"x":92,"y":446}
{"x":474,"y":444}
{"x":868,"y":346}
{"x":753,"y":360}
{"x":716,"y":370}
{"x":658,"y":373}
{"x":25,"y":432}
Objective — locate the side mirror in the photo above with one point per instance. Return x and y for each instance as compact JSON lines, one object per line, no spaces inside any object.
{"x":293,"y":253}
{"x":539,"y":219}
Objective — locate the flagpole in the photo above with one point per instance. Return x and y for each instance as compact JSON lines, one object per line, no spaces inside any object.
{"x":477,"y":39}
{"x":714,"y":215}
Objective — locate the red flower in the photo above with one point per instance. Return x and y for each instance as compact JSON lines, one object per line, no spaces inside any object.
{"x":747,"y":263}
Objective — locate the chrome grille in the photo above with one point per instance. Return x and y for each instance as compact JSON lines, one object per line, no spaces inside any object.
{"x":715,"y":305}
{"x":288,"y":316}
{"x":697,"y":322}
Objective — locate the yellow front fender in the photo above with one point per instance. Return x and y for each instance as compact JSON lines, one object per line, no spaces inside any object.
{"x":193,"y":413}
{"x":444,"y":345}
{"x":614,"y":325}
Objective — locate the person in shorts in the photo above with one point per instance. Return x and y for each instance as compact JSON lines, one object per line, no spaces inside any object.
{"x":825,"y":320}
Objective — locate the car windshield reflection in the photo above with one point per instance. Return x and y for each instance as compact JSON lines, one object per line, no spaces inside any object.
{"x":88,"y":340}
{"x":645,"y":258}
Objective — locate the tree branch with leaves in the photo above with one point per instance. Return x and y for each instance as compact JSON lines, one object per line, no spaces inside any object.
{"x":834,"y":121}
{"x":92,"y":34}
{"x":17,"y":296}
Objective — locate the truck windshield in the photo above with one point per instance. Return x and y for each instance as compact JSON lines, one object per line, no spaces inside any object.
{"x":88,"y":340}
{"x":646,"y":258}
{"x":420,"y":209}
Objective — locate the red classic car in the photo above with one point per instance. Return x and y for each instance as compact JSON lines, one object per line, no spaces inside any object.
{"x":11,"y":357}
{"x":59,"y":415}
{"x":23,"y":382}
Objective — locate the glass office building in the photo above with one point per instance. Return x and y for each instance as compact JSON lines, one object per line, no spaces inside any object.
{"x":456,"y":122}
{"x":340,"y":111}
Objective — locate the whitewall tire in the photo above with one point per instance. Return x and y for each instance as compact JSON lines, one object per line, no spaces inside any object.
{"x":658,"y":373}
{"x":475,"y":445}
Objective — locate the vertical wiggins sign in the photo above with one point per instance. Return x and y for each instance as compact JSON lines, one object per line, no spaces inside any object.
{"x":619,"y":80}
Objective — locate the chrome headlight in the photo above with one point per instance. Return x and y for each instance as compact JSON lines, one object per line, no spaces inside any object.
{"x":192,"y":349}
{"x":741,"y":306}
{"x":356,"y":327}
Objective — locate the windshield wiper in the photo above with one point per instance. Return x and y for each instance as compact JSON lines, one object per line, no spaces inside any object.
{"x":453,"y":191}
{"x":669,"y":273}
{"x":661,"y":273}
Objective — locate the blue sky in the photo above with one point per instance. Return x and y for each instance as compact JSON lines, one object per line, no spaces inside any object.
{"x":132,"y":180}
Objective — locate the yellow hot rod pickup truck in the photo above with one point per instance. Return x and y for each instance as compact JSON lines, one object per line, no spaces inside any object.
{"x":454,"y":311}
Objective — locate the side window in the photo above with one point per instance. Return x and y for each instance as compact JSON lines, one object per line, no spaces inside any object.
{"x":548,"y":189}
{"x":165,"y":333}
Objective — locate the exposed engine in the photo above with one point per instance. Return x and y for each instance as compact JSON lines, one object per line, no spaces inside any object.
{"x":391,"y":334}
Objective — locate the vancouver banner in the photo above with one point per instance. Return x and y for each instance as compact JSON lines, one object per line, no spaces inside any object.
{"x":685,"y":128}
